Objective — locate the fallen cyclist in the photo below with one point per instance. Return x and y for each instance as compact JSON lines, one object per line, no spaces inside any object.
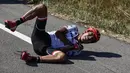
{"x":53,"y":46}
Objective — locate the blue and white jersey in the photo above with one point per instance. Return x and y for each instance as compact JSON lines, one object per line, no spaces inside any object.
{"x":55,"y":42}
{"x":72,"y":33}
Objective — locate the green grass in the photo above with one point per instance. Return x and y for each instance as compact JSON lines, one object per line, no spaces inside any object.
{"x":113,"y":15}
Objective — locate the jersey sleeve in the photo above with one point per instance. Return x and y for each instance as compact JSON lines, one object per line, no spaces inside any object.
{"x":71,"y":27}
{"x":72,"y":30}
{"x":50,"y":50}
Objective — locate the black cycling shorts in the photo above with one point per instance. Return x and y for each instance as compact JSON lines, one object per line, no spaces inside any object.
{"x":40,"y":38}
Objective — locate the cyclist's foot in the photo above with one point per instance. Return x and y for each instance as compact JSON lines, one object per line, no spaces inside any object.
{"x":10,"y":25}
{"x":27,"y":58}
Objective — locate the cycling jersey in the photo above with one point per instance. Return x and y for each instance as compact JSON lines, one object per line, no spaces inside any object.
{"x":70,"y":35}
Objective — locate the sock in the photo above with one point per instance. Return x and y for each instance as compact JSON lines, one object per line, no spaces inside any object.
{"x":20,"y":21}
{"x":34,"y":59}
{"x":38,"y":59}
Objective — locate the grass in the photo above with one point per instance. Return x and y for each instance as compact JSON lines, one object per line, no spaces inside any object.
{"x":112,"y":15}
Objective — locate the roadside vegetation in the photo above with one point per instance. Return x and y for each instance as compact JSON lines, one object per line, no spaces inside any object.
{"x":109,"y":15}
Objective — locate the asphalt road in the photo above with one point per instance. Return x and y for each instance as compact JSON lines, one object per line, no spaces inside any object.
{"x":106,"y":56}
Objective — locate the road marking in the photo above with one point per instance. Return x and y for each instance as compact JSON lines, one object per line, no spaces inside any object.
{"x":17,"y":34}
{"x":26,"y":39}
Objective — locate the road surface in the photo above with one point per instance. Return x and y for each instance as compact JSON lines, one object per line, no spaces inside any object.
{"x":106,"y":56}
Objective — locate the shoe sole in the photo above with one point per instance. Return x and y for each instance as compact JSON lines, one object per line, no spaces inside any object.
{"x":7,"y":25}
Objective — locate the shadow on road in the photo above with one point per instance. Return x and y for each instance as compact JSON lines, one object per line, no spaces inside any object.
{"x":85,"y":55}
{"x":34,"y":64}
{"x":90,"y":55}
{"x":12,"y":1}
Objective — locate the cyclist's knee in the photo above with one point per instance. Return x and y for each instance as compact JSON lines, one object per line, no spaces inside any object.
{"x":41,"y":10}
{"x":41,"y":7}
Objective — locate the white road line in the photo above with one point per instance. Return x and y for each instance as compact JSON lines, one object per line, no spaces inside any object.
{"x":26,"y":38}
{"x":17,"y":34}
